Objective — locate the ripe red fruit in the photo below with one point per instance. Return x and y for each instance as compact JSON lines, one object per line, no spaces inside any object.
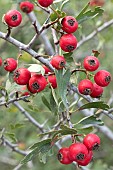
{"x":58,"y":62}
{"x":22,"y":76}
{"x":68,"y":42}
{"x":10,"y":64}
{"x":97,"y":2}
{"x":37,"y":83}
{"x":87,"y":160}
{"x":52,"y":81}
{"x":91,"y":63}
{"x":102,"y":78}
{"x":85,"y":87}
{"x":69,"y":24}
{"x":91,"y":141}
{"x":0,"y":61}
{"x":26,"y":6}
{"x":47,"y":70}
{"x":63,"y":156}
{"x":77,"y":151}
{"x":13,"y":18}
{"x":97,"y":91}
{"x":45,"y":3}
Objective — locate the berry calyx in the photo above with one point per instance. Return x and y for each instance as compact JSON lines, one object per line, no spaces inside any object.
{"x":97,"y":91}
{"x":22,"y":76}
{"x":91,"y":141}
{"x":87,"y":160}
{"x":52,"y":81}
{"x":0,"y":61}
{"x":26,"y":6}
{"x":47,"y":70}
{"x":13,"y":18}
{"x":37,"y":83}
{"x":102,"y":78}
{"x":77,"y":151}
{"x":10,"y":64}
{"x":58,"y":62}
{"x":63,"y":156}
{"x":69,"y":24}
{"x":45,"y":3}
{"x":68,"y":42}
{"x":91,"y":63}
{"x":85,"y":87}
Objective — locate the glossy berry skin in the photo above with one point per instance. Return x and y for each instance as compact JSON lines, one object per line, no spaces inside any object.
{"x":63,"y":156}
{"x":68,"y":42}
{"x":85,"y":87}
{"x":10,"y":64}
{"x":77,"y":151}
{"x":0,"y":61}
{"x":22,"y":76}
{"x":58,"y":62}
{"x":69,"y":24}
{"x":37,"y":83}
{"x":102,"y":78}
{"x":87,"y":160}
{"x":45,"y":3}
{"x":97,"y":91}
{"x":91,"y":63}
{"x":97,"y":2}
{"x":26,"y":6}
{"x":47,"y":70}
{"x":91,"y":141}
{"x":52,"y":81}
{"x":13,"y":18}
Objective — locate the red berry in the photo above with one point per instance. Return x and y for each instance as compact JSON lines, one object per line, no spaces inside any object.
{"x":91,"y":63}
{"x":77,"y":151}
{"x":97,"y":91}
{"x":87,"y":160}
{"x":22,"y":76}
{"x":91,"y":141}
{"x":68,"y":42}
{"x":97,"y":2}
{"x":45,"y":3}
{"x":58,"y":62}
{"x":13,"y":18}
{"x":10,"y":64}
{"x":85,"y":87}
{"x":47,"y":70}
{"x":37,"y":83}
{"x":0,"y":61}
{"x":102,"y":78}
{"x":63,"y":156}
{"x":69,"y":24}
{"x":52,"y":81}
{"x":26,"y":6}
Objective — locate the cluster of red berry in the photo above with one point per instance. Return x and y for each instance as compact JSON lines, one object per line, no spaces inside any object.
{"x":81,"y":153}
{"x":102,"y":78}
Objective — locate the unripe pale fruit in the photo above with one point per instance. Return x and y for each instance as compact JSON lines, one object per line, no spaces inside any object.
{"x":102,"y":78}
{"x":58,"y":62}
{"x":45,"y":3}
{"x":69,"y":24}
{"x":26,"y":6}
{"x":68,"y":42}
{"x":85,"y":87}
{"x":52,"y":81}
{"x":97,"y":91}
{"x":10,"y":64}
{"x":13,"y":18}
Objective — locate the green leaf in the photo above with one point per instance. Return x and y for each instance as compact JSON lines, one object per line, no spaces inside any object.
{"x":45,"y":101}
{"x":85,"y":15}
{"x":99,"y":105}
{"x":63,"y":4}
{"x":53,"y":105}
{"x":55,"y":14}
{"x":85,"y":130}
{"x":11,"y":136}
{"x":17,"y":125}
{"x":68,"y":57}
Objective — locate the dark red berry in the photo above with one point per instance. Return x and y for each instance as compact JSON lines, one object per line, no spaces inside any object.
{"x":63,"y":156}
{"x":97,"y":91}
{"x":22,"y":76}
{"x":52,"y":81}
{"x":26,"y":6}
{"x":68,"y":42}
{"x":0,"y":61}
{"x":91,"y":141}
{"x":58,"y":62}
{"x":47,"y":70}
{"x":37,"y":83}
{"x":102,"y":78}
{"x":45,"y":3}
{"x":87,"y":160}
{"x":85,"y":87}
{"x":10,"y":64}
{"x":69,"y":24}
{"x":77,"y":151}
{"x":13,"y":18}
{"x":91,"y":63}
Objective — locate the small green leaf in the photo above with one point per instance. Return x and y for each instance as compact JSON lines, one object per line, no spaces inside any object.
{"x":68,"y":57}
{"x":11,"y":136}
{"x":85,"y":130}
{"x":45,"y":101}
{"x":53,"y":105}
{"x":18,"y":125}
